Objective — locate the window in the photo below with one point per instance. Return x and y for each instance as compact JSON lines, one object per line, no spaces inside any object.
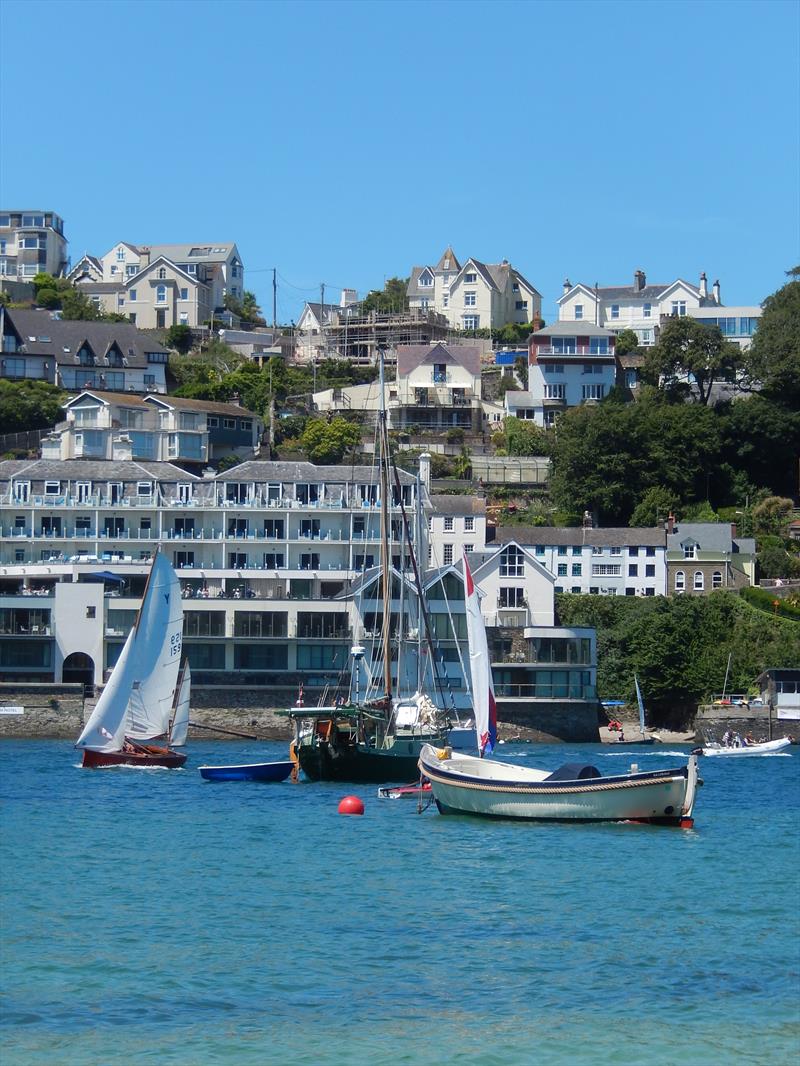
{"x":540,"y":549}
{"x":562,"y":550}
{"x":565,"y":345}
{"x":149,"y":379}
{"x":83,"y":490}
{"x":229,"y":423}
{"x":576,"y":589}
{"x":470,"y":279}
{"x":699,"y":581}
{"x":184,"y":294}
{"x":690,"y":551}
{"x":448,"y":554}
{"x":131,"y":270}
{"x":650,"y":570}
{"x":647,"y":311}
{"x":578,"y":311}
{"x":512,"y":562}
{"x":132,"y":294}
{"x":144,"y":489}
{"x":184,"y":492}
{"x":425,"y":280}
{"x":576,"y":569}
{"x":212,"y":422}
{"x":469,"y":524}
{"x":161,"y":294}
{"x":716,"y":580}
{"x":448,"y":524}
{"x":52,"y":488}
{"x":679,"y":308}
{"x":470,"y":299}
{"x":183,"y":559}
{"x":521,"y":305}
{"x":606,"y":570}
{"x":593,"y":392}
{"x":556,"y":368}
{"x":472,"y":322}
{"x":188,"y":420}
{"x":469,"y":547}
{"x":554,"y":392}
{"x":246,"y":424}
{"x":616,"y":551}
{"x":615,"y":310}
{"x":633,"y":569}
{"x":598,"y":345}
{"x":161,"y":274}
{"x":511,"y":597}
{"x":562,"y":569}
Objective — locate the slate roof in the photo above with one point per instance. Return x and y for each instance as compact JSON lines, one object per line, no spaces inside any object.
{"x":710,"y":537}
{"x":410,"y":356}
{"x":558,"y":536}
{"x":91,"y":470}
{"x":180,"y":252}
{"x":179,"y":403}
{"x":44,"y":335}
{"x":467,"y":505}
{"x":578,"y":328}
{"x":448,"y":253}
{"x":263,"y":470}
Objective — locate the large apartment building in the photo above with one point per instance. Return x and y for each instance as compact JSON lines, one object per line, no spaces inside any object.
{"x":162,"y":285}
{"x":31,"y":242}
{"x":279,"y":565}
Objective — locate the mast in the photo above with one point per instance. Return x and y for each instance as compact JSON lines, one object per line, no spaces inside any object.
{"x":386,"y":575}
{"x":416,"y":547}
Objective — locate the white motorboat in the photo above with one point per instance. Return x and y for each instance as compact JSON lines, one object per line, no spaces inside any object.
{"x":768,"y":747}
{"x":464,"y":784}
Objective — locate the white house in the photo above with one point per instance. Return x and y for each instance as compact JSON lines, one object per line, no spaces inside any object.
{"x":639,"y":307}
{"x":474,"y":296}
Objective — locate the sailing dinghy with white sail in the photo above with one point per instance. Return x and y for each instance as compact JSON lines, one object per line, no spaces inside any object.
{"x":145,"y":698}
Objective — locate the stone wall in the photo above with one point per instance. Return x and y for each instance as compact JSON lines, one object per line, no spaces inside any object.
{"x":570,"y":721}
{"x":49,"y":710}
{"x":712,"y":721}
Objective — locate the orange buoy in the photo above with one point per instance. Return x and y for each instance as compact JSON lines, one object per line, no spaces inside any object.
{"x":351,"y":805}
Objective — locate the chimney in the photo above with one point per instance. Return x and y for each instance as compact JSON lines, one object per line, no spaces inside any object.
{"x":425,"y":470}
{"x":567,"y":285}
{"x":587,"y":520}
{"x":670,"y":524}
{"x":716,"y":292}
{"x":733,"y":531}
{"x":639,"y":280}
{"x":703,"y":286}
{"x":122,"y":448}
{"x":234,"y":400}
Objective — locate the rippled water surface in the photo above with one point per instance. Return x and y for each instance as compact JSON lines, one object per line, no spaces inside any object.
{"x":149,"y":917}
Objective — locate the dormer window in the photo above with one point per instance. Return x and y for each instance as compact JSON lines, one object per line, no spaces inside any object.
{"x":426,"y":280}
{"x":690,"y":550}
{"x":86,"y":356}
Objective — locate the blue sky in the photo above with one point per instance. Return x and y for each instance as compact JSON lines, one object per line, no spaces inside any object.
{"x":345,"y":142}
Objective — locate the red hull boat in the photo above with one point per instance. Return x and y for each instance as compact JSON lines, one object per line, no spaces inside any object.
{"x":147,"y":756}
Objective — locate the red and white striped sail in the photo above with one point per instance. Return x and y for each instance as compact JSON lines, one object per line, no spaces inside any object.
{"x":480,"y":667}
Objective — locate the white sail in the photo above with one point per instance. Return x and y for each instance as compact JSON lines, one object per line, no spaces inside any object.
{"x":105,"y":730}
{"x":180,"y":722}
{"x":159,"y":630}
{"x":640,"y":701}
{"x":480,"y":668}
{"x":137,"y":701}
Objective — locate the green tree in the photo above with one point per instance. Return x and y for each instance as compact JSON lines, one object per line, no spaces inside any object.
{"x":773,"y":360}
{"x":327,"y":442}
{"x":521,"y":369}
{"x":246,"y":309}
{"x":773,"y":515}
{"x":48,"y":298}
{"x":760,"y":443}
{"x":524,"y":437}
{"x":688,"y":351}
{"x":393,"y":298}
{"x":29,"y":405}
{"x":179,"y":337}
{"x":775,"y":561}
{"x":627,"y":341}
{"x":656,"y":505}
{"x":76,"y":305}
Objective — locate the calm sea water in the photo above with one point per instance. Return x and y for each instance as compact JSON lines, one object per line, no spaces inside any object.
{"x":149,"y":917}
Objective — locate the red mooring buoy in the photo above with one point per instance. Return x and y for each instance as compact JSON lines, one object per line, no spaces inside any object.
{"x":351,"y":805}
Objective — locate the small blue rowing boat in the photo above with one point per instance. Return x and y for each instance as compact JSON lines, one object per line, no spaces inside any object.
{"x":253,"y":771}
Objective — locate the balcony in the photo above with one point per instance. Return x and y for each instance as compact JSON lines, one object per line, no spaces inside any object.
{"x":582,"y":350}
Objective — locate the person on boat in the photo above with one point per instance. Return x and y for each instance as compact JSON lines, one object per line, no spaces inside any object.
{"x":737,"y":740}
{"x":726,"y":738}
{"x":748,"y":740}
{"x":621,"y":737}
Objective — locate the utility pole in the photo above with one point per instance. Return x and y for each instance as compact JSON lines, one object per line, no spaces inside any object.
{"x":322,"y":316}
{"x":274,"y":297}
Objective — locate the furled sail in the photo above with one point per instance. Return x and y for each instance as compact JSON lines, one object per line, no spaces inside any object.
{"x":640,"y":701}
{"x":180,"y":721}
{"x":480,"y":668}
